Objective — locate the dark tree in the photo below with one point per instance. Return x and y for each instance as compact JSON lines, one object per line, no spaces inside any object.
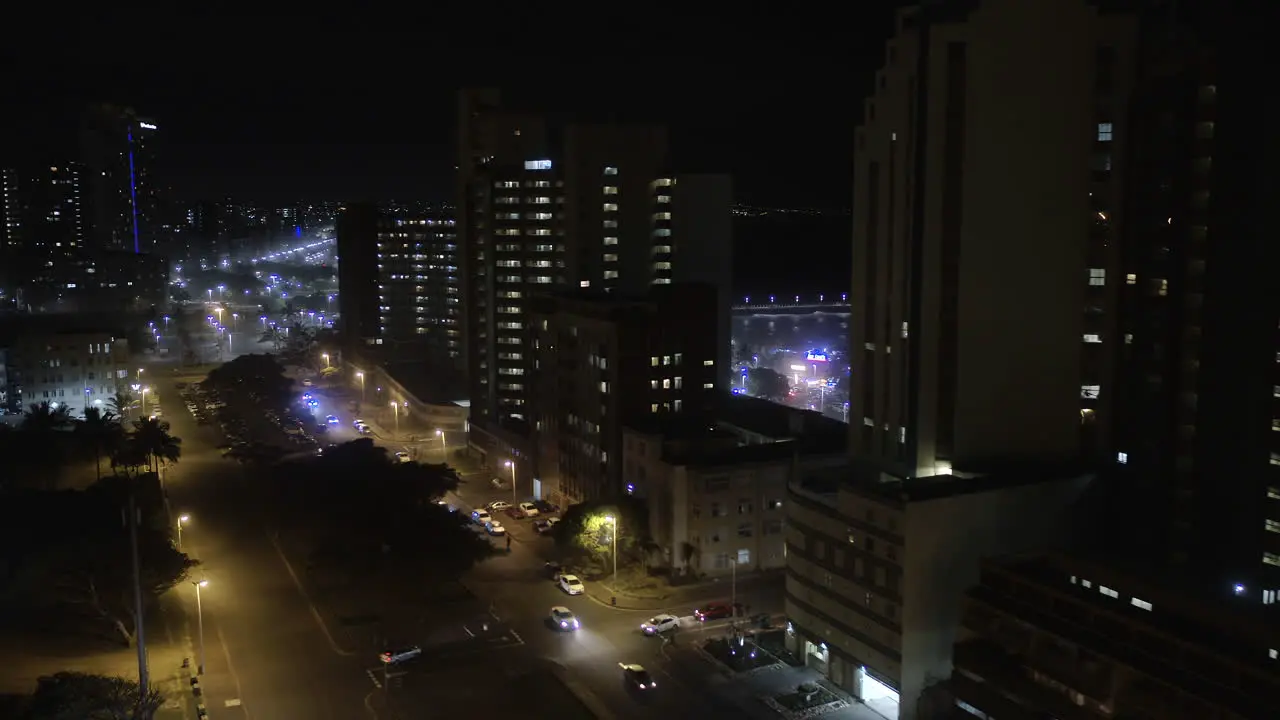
{"x":766,"y":383}
{"x":77,"y":696}
{"x":366,"y":510}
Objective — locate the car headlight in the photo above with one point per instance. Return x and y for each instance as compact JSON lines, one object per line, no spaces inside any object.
{"x":564,"y":624}
{"x":577,"y":624}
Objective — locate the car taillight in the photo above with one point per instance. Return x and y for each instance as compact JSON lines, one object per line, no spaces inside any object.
{"x":386,"y":657}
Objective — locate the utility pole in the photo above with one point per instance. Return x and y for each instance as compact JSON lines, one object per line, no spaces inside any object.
{"x":144,"y":679}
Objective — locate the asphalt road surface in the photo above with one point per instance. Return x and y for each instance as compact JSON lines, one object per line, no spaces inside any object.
{"x":271,"y":652}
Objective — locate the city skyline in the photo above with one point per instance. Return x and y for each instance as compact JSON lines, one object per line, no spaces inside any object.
{"x":290,"y":120}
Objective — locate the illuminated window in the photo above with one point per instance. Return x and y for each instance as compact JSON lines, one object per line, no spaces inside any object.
{"x":610,"y":190}
{"x":1097,"y":276}
{"x":1092,"y":338}
{"x":1104,"y":132}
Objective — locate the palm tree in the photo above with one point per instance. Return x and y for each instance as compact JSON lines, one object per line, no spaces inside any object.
{"x":100,"y":432}
{"x":129,"y":456}
{"x":151,"y":435}
{"x":43,"y":418}
{"x":120,"y":403}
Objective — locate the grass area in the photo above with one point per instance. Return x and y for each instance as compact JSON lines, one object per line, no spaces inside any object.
{"x":738,"y":658}
{"x":806,"y":697}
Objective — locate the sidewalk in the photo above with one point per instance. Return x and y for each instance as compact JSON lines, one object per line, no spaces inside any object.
{"x":748,"y":593}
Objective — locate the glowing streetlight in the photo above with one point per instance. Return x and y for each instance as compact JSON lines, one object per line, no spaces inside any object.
{"x":200,"y":621}
{"x":326,"y":360}
{"x":182,"y":520}
{"x":219,"y":312}
{"x":395,"y":406}
{"x":360,"y":375}
{"x":444,"y":450}
{"x":613,"y":531}
{"x":512,"y":464}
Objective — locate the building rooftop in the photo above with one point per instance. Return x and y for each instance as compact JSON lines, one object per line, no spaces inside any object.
{"x":596,"y":302}
{"x":426,"y":381}
{"x":775,"y":421}
{"x":865,"y":478}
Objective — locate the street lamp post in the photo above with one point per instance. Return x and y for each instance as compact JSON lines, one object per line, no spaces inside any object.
{"x":326,"y":360}
{"x":444,"y":451}
{"x":613,"y":531}
{"x":361,"y":376}
{"x":395,"y":407}
{"x":512,"y":464}
{"x":182,"y":520}
{"x":200,"y":623}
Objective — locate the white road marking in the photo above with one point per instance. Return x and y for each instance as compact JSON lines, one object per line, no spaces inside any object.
{"x":516,"y":635}
{"x":226,"y":652}
{"x":333,"y":644}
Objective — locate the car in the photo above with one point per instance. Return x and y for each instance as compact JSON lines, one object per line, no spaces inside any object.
{"x":364,"y":429}
{"x":527,"y":509}
{"x":402,"y":456}
{"x":563,"y":618}
{"x":636,"y":676}
{"x":713,"y":611}
{"x":480,"y":517}
{"x":357,"y":423}
{"x":307,"y":383}
{"x":498,"y":506}
{"x":660,"y":624}
{"x":391,"y":657}
{"x":571,"y":584}
{"x":313,"y":404}
{"x":306,"y":397}
{"x":493,"y":527}
{"x":546,"y":526}
{"x":331,"y":419}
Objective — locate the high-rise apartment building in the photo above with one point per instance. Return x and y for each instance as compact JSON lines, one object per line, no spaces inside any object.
{"x":545,"y":206}
{"x":600,"y":359}
{"x":399,"y":283}
{"x":1197,"y":434}
{"x":43,"y":211}
{"x":981,"y":276}
{"x":118,"y":151}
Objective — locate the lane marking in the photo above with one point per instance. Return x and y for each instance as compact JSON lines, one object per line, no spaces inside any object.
{"x":516,"y":635}
{"x":333,"y":644}
{"x":368,"y":706}
{"x":226,"y":652}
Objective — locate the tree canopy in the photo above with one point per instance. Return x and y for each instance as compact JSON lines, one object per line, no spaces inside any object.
{"x":84,"y":560}
{"x":260,"y":377}
{"x":766,"y":383}
{"x":364,"y":509}
{"x":78,"y":696}
{"x":586,"y":529}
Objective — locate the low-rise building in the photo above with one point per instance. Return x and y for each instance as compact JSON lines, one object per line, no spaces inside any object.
{"x":716,"y":488}
{"x":69,"y":368}
{"x":876,"y":567}
{"x":1067,"y":637}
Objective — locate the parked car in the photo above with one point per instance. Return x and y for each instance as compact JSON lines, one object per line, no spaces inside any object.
{"x":480,"y":517}
{"x":498,"y":506}
{"x":527,"y":509}
{"x":546,"y":525}
{"x":391,"y":657}
{"x":402,"y":456}
{"x":493,"y":527}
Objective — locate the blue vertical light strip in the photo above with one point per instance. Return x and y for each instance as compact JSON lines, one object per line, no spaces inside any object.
{"x":133,"y":195}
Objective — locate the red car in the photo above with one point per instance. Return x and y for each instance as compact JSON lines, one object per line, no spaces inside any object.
{"x":713,"y":611}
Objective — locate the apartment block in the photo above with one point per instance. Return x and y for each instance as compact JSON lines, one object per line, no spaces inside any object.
{"x":548,"y":206}
{"x":876,"y":567}
{"x":981,"y":276}
{"x":600,"y":359}
{"x":68,"y":368}
{"x":1199,"y":358}
{"x":716,"y":495}
{"x":1067,"y":637}
{"x":400,"y":284}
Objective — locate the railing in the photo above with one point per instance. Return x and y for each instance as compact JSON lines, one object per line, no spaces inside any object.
{"x":835,"y":302}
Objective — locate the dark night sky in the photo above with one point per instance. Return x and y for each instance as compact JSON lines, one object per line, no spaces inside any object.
{"x":362,"y":105}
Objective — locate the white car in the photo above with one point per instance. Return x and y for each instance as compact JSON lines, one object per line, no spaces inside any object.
{"x":528,"y":509}
{"x":402,"y":456}
{"x":572,"y":585}
{"x":564,"y":619}
{"x":493,"y":527}
{"x":660,"y":624}
{"x":498,"y":506}
{"x":480,"y":517}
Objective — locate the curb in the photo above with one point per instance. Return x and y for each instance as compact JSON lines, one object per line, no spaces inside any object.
{"x":196,"y":691}
{"x":621,"y":607}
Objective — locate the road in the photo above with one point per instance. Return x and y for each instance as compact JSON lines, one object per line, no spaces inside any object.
{"x":276,"y":648}
{"x":266,"y":656}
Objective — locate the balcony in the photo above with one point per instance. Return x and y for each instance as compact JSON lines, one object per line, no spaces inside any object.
{"x":1009,"y":676}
